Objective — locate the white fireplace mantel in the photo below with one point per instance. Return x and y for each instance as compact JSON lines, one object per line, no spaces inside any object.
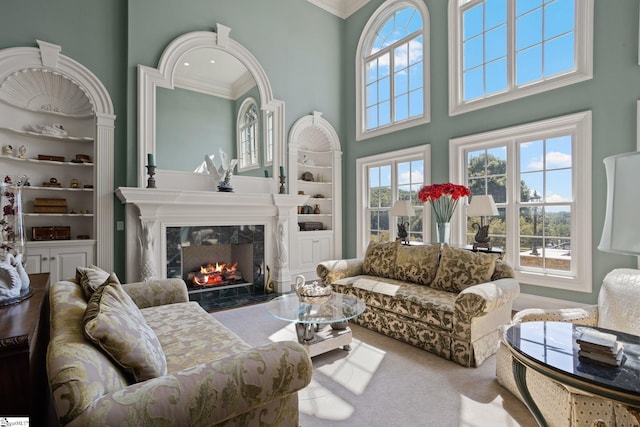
{"x":150,"y":211}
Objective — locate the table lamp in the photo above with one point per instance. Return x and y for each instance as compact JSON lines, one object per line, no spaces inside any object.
{"x":403,"y":208}
{"x":621,"y":233}
{"x":482,"y":205}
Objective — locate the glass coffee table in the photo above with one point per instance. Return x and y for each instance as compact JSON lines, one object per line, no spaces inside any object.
{"x":320,"y":327}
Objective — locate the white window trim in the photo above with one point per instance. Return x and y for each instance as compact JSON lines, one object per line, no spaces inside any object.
{"x":381,"y":14}
{"x":239,"y":120}
{"x":579,"y":124}
{"x":583,"y":63}
{"x":423,"y":151}
{"x":267,"y":148}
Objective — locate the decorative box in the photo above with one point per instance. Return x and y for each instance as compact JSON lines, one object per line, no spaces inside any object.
{"x":50,"y":157}
{"x":310,"y":226}
{"x":50,"y":233}
{"x":50,"y":205}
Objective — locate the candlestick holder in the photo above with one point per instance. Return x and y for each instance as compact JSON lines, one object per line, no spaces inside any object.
{"x":151,"y":181}
{"x":283,"y":181}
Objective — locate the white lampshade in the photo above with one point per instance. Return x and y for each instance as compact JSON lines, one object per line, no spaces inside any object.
{"x":621,"y":233}
{"x":482,"y":205}
{"x":402,"y":208}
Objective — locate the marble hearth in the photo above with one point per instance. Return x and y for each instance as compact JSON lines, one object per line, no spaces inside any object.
{"x":149,"y":212}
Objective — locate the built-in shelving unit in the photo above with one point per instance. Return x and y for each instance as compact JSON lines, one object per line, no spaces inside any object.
{"x":315,"y":160}
{"x":15,"y":162}
{"x":56,"y":127}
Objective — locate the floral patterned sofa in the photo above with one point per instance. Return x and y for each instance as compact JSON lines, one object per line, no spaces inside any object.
{"x":141,"y":354}
{"x":448,"y":301}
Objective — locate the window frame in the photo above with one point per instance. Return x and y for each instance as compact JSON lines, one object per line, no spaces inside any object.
{"x":246,"y":104}
{"x":422,"y":152}
{"x":579,"y":125}
{"x":380,"y":16}
{"x":583,"y":60}
{"x":267,"y":147}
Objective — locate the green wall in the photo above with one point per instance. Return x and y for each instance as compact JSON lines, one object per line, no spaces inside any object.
{"x":611,"y":95}
{"x":94,"y":33}
{"x":308,"y":55}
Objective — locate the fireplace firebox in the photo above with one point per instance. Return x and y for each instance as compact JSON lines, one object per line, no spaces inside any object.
{"x":217,"y":257}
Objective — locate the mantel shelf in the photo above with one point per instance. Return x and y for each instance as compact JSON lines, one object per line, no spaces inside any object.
{"x":192,"y":199}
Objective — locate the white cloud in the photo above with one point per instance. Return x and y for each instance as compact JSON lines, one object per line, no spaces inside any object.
{"x":555,"y":159}
{"x":554,"y":198}
{"x":416,"y":177}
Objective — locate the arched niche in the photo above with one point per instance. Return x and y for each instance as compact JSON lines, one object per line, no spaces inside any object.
{"x":149,"y":79}
{"x":34,"y":66}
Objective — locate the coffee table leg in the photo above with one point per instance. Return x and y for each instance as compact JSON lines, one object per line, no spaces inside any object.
{"x":520,"y":377}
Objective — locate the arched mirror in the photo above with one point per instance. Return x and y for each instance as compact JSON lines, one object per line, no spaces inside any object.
{"x":208,"y":94}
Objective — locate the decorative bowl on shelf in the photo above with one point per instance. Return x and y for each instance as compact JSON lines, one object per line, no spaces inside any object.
{"x":313,"y":292}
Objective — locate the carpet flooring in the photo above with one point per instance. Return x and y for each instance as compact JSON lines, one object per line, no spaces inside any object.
{"x":383,"y":382}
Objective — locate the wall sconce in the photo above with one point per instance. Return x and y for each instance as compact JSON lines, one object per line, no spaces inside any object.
{"x":482,"y":205}
{"x":403,"y":208}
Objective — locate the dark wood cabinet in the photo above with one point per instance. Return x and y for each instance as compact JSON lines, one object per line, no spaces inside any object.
{"x":24,"y":336}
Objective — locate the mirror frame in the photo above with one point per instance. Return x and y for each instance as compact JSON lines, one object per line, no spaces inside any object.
{"x":149,"y":78}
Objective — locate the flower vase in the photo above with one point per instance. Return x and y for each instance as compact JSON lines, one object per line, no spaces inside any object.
{"x":12,"y":232}
{"x":14,"y":282}
{"x":444,"y":232}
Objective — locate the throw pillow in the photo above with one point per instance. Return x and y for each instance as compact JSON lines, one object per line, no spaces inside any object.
{"x":114,"y":323}
{"x":502,"y":271}
{"x":380,"y":259}
{"x":91,"y":277}
{"x":417,"y":264}
{"x":460,"y":269}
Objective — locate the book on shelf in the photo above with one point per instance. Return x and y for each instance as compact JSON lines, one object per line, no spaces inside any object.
{"x":597,"y":339}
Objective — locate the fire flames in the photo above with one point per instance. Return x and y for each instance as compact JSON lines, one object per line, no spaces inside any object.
{"x":218,"y":274}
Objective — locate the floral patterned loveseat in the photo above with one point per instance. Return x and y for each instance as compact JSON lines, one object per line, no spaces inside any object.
{"x":445,"y":300}
{"x":161,"y":360}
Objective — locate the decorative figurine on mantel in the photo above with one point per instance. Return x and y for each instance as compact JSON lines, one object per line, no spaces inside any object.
{"x":222,"y":173}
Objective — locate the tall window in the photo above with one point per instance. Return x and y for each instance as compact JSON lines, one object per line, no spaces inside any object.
{"x":393,"y":69}
{"x":540,"y":178}
{"x":501,"y":50}
{"x":248,"y":135}
{"x":384,"y":179}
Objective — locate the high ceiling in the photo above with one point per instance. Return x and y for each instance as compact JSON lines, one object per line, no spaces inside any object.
{"x":217,"y":73}
{"x":341,"y":8}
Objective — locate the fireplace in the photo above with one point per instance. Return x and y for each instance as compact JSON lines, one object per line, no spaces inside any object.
{"x":217,"y":257}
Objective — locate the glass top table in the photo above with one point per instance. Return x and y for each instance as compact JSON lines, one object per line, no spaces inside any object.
{"x":320,"y":327}
{"x":551,"y":349}
{"x":339,"y":308}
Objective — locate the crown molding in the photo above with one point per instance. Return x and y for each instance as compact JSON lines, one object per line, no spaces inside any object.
{"x":340,"y":8}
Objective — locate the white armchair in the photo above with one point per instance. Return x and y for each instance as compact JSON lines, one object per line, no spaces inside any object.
{"x":617,"y":309}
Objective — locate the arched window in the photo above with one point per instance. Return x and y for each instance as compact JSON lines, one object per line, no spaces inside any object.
{"x":248,"y":119}
{"x":393,"y":69}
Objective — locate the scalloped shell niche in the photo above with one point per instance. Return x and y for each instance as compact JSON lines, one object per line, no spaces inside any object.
{"x":45,"y":90}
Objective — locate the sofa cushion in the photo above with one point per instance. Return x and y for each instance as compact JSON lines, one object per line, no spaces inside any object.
{"x":417,"y":264}
{"x":460,"y":269}
{"x":90,"y":278}
{"x":114,"y":323}
{"x":380,"y":259}
{"x":190,"y":336}
{"x":422,"y":303}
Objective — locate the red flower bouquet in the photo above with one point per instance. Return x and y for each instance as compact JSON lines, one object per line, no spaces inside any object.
{"x":443,"y":199}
